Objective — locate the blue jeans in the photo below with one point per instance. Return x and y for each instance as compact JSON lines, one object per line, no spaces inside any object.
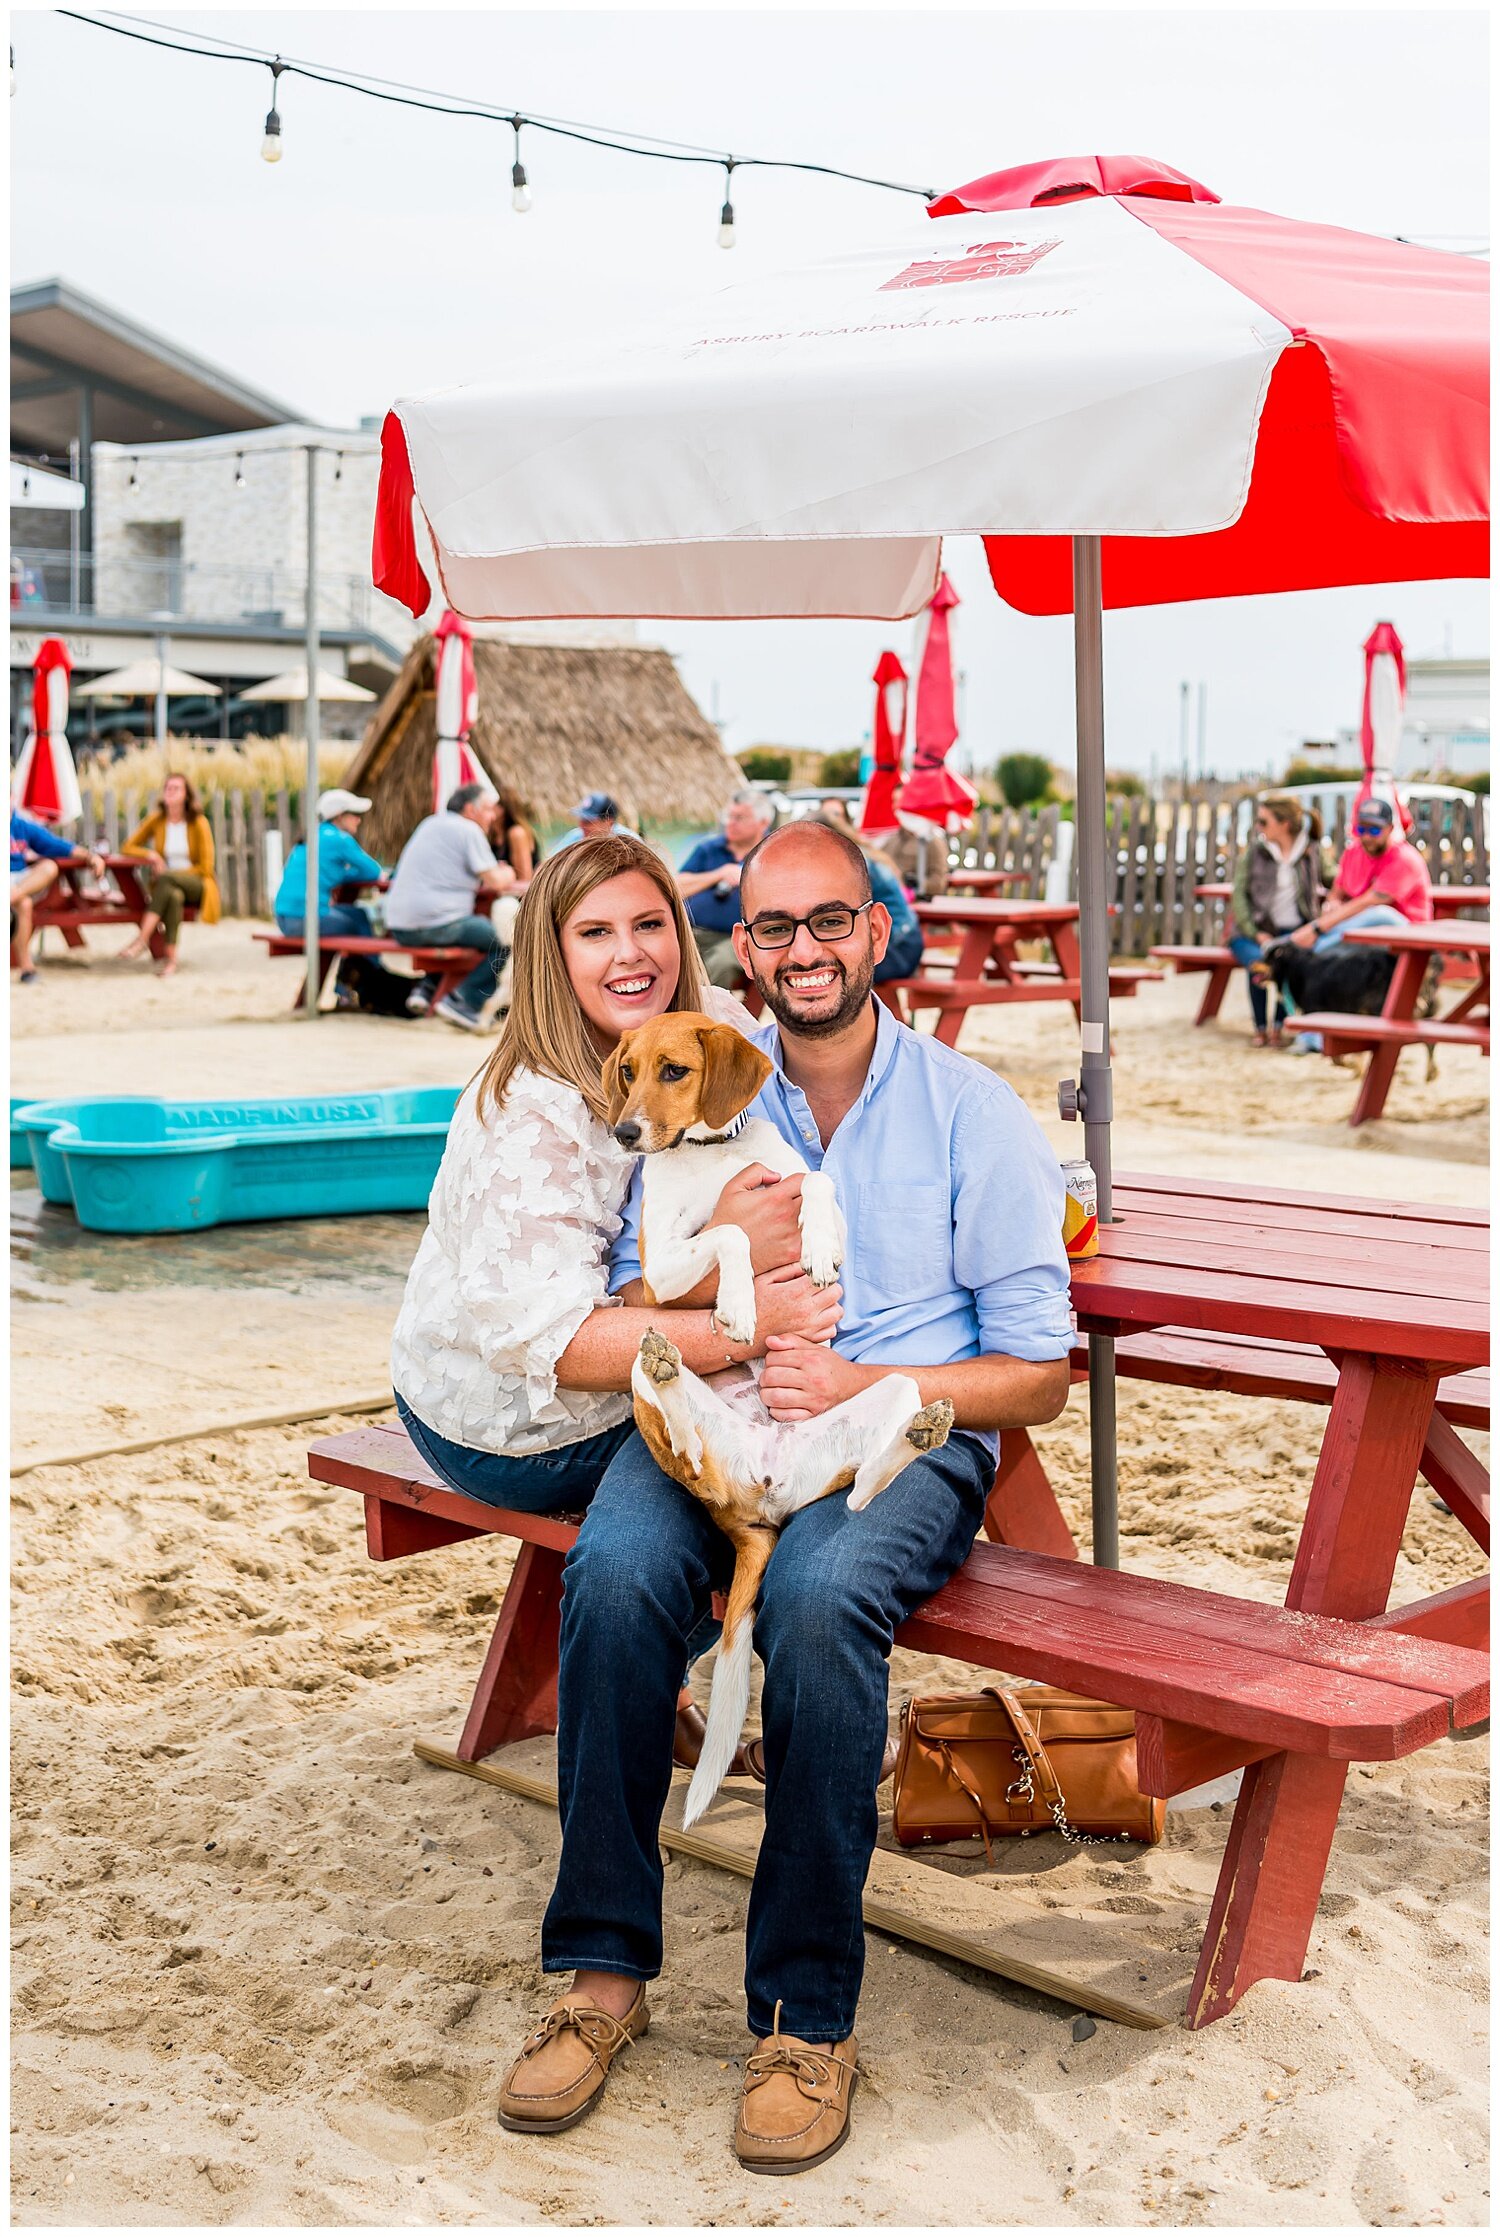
{"x":1382,"y":913}
{"x":542,"y":1483}
{"x":344,"y":920}
{"x":1248,"y":951}
{"x":902,"y":956}
{"x":465,"y":932}
{"x":636,"y":1600}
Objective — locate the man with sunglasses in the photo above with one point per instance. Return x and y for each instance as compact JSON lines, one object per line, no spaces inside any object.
{"x":957,"y":1276}
{"x":1380,"y":880}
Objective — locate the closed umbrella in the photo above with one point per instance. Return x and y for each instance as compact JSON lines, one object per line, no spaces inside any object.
{"x":1133,"y":393}
{"x":933,"y":790}
{"x":878,"y":813}
{"x":1380,"y":720}
{"x":45,"y":782}
{"x":453,"y":763}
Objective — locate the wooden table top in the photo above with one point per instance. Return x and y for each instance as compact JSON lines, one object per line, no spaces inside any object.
{"x":1404,"y":1281}
{"x":1447,"y":898}
{"x":987,"y":881}
{"x":996,"y":912}
{"x":1453,"y":938}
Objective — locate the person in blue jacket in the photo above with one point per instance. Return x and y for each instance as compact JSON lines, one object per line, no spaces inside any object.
{"x":904,"y":953}
{"x":35,"y":854}
{"x":341,"y":861}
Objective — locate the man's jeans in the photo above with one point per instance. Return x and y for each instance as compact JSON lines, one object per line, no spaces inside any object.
{"x":1382,"y":913}
{"x":343,"y":920}
{"x":636,"y":1606}
{"x":465,"y":932}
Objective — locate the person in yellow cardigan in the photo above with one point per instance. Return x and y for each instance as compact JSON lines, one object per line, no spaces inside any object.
{"x":177,"y":843}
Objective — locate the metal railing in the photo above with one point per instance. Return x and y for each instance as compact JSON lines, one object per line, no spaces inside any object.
{"x":44,"y":583}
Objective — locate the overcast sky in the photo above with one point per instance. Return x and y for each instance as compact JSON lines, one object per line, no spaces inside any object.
{"x":382,"y":254}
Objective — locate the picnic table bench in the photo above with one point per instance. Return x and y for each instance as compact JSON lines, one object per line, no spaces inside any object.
{"x":1466,"y":1024}
{"x":448,"y":966}
{"x":66,"y":908}
{"x":1310,"y":1695}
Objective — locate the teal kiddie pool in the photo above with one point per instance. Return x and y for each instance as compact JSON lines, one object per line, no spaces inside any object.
{"x":130,"y":1165}
{"x":20,"y":1140}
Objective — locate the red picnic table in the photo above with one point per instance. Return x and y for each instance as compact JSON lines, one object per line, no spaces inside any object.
{"x":1395,"y":1297}
{"x":984,"y":882}
{"x":66,"y":907}
{"x":986,"y":970}
{"x":1466,"y":1024}
{"x":1447,"y":900}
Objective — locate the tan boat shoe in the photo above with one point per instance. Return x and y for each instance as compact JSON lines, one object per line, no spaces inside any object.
{"x":794,"y":2104}
{"x":564,"y":2064}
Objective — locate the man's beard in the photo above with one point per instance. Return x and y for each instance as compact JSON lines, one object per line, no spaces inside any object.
{"x":855,"y":995}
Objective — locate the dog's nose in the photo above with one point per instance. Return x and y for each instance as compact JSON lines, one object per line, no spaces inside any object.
{"x":627,"y":1134}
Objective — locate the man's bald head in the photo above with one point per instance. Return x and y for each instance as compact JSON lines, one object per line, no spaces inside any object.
{"x":812,"y":839}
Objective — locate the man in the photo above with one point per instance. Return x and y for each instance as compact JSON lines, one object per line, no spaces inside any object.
{"x":597,"y":816}
{"x":30,"y":878}
{"x":956,"y":1275}
{"x":1379,"y":880}
{"x":447,"y":866}
{"x":709,"y":882}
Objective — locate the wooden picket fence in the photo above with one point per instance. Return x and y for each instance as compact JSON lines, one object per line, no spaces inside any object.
{"x":1162,"y":850}
{"x":239,"y":821}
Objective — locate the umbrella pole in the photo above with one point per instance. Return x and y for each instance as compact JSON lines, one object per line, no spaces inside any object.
{"x":1095,"y":1087}
{"x":310,"y":724}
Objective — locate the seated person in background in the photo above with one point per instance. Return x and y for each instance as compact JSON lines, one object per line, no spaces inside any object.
{"x":341,"y":861}
{"x":1381,"y":879}
{"x":514,"y":841}
{"x":903,"y":955}
{"x":177,"y":843}
{"x":448,"y":873}
{"x":1278,"y":886}
{"x":597,"y":816}
{"x":835,"y":810}
{"x":29,"y":877}
{"x":709,"y":882}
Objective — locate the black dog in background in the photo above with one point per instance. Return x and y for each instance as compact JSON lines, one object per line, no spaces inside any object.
{"x":1349,"y":978}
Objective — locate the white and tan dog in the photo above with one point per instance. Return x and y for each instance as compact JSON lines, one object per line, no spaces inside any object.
{"x":681,"y":1085}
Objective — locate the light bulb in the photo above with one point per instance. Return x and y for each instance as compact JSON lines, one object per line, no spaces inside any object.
{"x":520,"y":192}
{"x":726,"y":226}
{"x":270,"y":146}
{"x":239,"y":469}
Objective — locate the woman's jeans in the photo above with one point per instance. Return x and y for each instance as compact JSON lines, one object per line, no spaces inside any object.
{"x":172,"y":891}
{"x":637,"y":1587}
{"x":344,"y":920}
{"x":543,"y":1483}
{"x":902,"y":956}
{"x":1247,"y":951}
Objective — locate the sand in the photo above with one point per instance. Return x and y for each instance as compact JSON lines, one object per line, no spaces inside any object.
{"x":267,"y":1964}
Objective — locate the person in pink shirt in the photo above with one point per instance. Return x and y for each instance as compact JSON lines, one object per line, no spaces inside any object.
{"x":1380,"y":880}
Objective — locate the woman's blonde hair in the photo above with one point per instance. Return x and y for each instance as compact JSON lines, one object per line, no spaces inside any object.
{"x":1291,"y":814}
{"x":545,"y":1030}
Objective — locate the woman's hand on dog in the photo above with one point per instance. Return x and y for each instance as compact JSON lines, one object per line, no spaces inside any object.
{"x":769,"y":1209}
{"x":789,"y":1307}
{"x":802,"y":1378}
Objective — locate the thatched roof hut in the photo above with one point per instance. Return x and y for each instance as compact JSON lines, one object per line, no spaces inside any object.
{"x":555,"y":722}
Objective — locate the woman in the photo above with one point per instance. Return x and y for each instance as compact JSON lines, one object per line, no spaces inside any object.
{"x":511,"y":1363}
{"x":341,"y":861}
{"x":514,"y":840}
{"x":177,"y":845}
{"x":904,"y":954}
{"x":1278,"y":887}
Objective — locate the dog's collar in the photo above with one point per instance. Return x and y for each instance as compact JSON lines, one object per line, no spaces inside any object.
{"x":711,"y":1141}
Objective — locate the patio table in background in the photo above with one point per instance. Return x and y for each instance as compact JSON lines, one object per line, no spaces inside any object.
{"x":62,"y":908}
{"x":1398,"y":1026}
{"x":986,"y":970}
{"x":985,"y":882}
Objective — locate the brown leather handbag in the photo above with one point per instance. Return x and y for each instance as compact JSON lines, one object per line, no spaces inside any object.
{"x":1019,"y":1761}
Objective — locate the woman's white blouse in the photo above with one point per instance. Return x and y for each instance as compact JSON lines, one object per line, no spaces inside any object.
{"x":516,"y":1256}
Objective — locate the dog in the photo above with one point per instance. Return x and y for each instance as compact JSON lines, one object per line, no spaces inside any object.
{"x":1348,"y":978}
{"x":678,"y":1091}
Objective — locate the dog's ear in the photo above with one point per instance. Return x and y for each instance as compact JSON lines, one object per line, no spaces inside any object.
{"x":734,"y":1071}
{"x":616,"y":1095}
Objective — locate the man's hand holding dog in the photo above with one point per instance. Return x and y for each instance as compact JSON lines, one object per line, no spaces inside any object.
{"x":802,"y":1378}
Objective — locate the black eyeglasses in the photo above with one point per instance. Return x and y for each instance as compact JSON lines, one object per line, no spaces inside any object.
{"x":831,"y":923}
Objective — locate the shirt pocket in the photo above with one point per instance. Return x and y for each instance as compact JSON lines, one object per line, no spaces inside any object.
{"x":901,"y":1237}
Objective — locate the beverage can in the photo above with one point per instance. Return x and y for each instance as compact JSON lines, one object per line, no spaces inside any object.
{"x":1081,"y":1209}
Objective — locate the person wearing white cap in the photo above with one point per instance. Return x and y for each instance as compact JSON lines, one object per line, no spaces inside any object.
{"x":341,"y":861}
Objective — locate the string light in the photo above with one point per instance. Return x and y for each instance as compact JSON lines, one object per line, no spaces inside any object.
{"x":133,"y":465}
{"x":726,"y":215}
{"x":270,"y":146}
{"x":406,"y":96}
{"x":338,"y":466}
{"x":520,"y":192}
{"x":239,"y":469}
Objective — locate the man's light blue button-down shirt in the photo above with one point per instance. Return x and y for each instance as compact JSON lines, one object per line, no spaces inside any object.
{"x":954,"y":1203}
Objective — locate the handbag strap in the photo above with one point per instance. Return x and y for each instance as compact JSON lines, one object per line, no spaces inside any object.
{"x":1036,"y":1766}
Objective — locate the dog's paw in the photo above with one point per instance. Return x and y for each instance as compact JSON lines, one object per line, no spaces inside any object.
{"x":929,"y":1428}
{"x":735,"y":1315}
{"x":821,"y":1263}
{"x":660,"y":1358}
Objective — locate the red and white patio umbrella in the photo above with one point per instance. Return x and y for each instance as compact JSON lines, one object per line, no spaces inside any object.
{"x":457,"y":708}
{"x":878,"y":814}
{"x":1380,"y":720}
{"x":44,"y":783}
{"x":933,"y":790}
{"x":1131,"y":392}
